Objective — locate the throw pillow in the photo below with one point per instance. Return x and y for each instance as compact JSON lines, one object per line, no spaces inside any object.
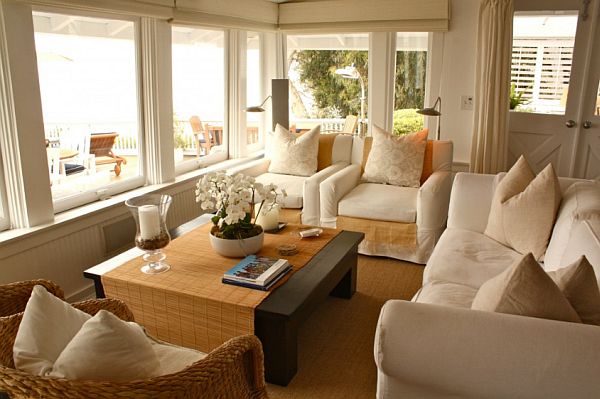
{"x":47,"y":326}
{"x":396,"y":160}
{"x":525,"y":289}
{"x":523,"y":209}
{"x":291,"y":154}
{"x":579,"y":285}
{"x":107,"y":348}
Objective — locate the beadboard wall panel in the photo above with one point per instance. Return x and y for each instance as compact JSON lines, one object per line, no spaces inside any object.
{"x":62,"y":254}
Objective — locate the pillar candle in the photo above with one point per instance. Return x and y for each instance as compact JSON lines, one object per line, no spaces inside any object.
{"x":270,"y":220}
{"x":149,"y":221}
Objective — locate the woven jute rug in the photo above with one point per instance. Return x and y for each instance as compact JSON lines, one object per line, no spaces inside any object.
{"x":189,"y":305}
{"x":335,"y":350}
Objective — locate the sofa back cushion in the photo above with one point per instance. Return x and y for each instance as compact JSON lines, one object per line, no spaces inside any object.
{"x":334,"y":148}
{"x":579,"y":202}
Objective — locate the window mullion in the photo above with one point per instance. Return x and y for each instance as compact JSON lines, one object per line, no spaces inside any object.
{"x":21,"y":122}
{"x":155,"y":41}
{"x":382,"y":75}
{"x":237,"y":91}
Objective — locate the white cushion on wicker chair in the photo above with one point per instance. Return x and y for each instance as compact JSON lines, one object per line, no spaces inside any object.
{"x":50,"y":327}
{"x":107,"y":348}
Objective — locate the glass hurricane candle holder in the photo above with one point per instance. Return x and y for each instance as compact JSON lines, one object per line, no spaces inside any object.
{"x":150,"y":214}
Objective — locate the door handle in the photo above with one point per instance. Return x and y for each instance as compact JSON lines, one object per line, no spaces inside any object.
{"x":587,"y":124}
{"x":570,"y":123}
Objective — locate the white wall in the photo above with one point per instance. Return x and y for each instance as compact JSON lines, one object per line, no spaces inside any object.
{"x":457,"y":76}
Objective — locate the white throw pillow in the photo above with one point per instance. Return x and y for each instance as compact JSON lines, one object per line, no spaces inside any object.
{"x":107,"y":348}
{"x":291,"y":154}
{"x":524,"y":208}
{"x":525,"y":289}
{"x":48,"y":325}
{"x":396,"y":160}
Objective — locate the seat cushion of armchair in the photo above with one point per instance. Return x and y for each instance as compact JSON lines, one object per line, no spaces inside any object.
{"x":293,"y":186}
{"x":469,"y":258}
{"x":376,"y":201}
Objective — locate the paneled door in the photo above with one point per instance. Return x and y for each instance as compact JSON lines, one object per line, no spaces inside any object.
{"x":554,"y":86}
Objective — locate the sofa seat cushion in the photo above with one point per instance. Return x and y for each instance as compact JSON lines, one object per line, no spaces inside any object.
{"x":380,"y":202}
{"x":447,"y":294}
{"x":467,"y":257}
{"x":293,"y":186}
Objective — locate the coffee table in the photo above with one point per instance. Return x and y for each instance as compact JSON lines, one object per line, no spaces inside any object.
{"x":332,"y":271}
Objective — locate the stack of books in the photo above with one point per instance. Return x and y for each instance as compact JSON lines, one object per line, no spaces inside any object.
{"x":258,"y":272}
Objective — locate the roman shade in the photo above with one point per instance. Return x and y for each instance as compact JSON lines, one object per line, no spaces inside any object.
{"x":360,"y":16}
{"x":240,"y":14}
{"x":161,"y":9}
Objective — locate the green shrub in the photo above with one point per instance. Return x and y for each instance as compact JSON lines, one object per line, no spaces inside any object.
{"x":407,"y":121}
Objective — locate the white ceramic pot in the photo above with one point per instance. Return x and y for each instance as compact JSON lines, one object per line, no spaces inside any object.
{"x":239,"y":248}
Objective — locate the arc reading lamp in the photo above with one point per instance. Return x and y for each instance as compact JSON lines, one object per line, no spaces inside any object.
{"x":279,"y":101}
{"x":350,"y":72}
{"x":432,"y":111}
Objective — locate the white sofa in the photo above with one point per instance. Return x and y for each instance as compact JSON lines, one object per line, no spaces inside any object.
{"x":302,"y":191}
{"x":399,"y":222}
{"x":437,"y":347}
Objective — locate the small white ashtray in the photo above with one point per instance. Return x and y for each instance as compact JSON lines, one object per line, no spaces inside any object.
{"x":315,"y":232}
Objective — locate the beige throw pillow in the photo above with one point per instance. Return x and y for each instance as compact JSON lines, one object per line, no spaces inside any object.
{"x":107,"y":348}
{"x":524,"y":208}
{"x":579,"y":285}
{"x":291,"y":154}
{"x":525,"y":289}
{"x":396,"y":160}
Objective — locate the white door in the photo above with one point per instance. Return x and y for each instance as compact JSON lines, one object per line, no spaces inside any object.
{"x":553,"y":55}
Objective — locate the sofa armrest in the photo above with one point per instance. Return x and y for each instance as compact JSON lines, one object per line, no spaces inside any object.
{"x":475,"y":354}
{"x":312,"y":197}
{"x":334,"y":188}
{"x":253,"y":168}
{"x":433,"y":199}
{"x":470,"y":201}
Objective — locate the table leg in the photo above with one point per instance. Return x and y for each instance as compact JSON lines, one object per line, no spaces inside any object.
{"x":279,"y":337}
{"x":347,"y":285}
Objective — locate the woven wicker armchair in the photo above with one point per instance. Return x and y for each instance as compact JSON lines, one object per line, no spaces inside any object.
{"x":233,"y":370}
{"x":14,"y":296}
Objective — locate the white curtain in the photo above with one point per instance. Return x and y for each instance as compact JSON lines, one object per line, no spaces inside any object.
{"x":492,"y":84}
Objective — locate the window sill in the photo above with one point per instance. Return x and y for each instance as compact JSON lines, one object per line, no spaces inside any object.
{"x":72,"y":216}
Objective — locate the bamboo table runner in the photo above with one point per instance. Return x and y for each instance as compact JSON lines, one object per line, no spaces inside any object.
{"x":189,"y":305}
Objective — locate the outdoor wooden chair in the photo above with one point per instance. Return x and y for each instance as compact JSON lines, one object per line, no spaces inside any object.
{"x":206,"y":136}
{"x":234,"y":370}
{"x":101,"y":145}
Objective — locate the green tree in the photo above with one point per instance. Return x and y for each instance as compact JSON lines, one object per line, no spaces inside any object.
{"x":335,"y":96}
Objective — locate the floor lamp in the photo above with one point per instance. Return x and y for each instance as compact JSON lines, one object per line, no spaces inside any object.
{"x":350,"y":72}
{"x":434,"y":111}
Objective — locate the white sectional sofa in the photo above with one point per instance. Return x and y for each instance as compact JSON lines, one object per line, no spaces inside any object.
{"x":437,"y":347}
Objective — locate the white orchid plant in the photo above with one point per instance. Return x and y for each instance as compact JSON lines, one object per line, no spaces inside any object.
{"x":234,"y":197}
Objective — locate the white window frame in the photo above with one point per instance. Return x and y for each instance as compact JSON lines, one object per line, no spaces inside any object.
{"x":86,"y":197}
{"x":210,"y":159}
{"x":259,"y":145}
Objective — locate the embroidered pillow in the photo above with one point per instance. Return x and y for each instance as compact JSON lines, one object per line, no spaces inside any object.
{"x":291,"y":154}
{"x":523,"y":209}
{"x":396,"y":160}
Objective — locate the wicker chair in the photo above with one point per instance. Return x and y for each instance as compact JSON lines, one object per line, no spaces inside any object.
{"x":233,"y":370}
{"x":14,"y":296}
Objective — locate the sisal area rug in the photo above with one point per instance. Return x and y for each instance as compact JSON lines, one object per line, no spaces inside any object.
{"x":335,"y":353}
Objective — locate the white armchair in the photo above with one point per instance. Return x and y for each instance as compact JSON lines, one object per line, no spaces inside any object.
{"x":398,"y":222}
{"x":303,"y":196}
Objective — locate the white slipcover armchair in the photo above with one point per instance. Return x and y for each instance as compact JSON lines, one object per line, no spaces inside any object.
{"x":398,"y":222}
{"x":302,"y":191}
{"x":437,"y":347}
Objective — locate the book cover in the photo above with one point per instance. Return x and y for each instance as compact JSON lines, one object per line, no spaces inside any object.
{"x":248,"y":284}
{"x":259,"y":270}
